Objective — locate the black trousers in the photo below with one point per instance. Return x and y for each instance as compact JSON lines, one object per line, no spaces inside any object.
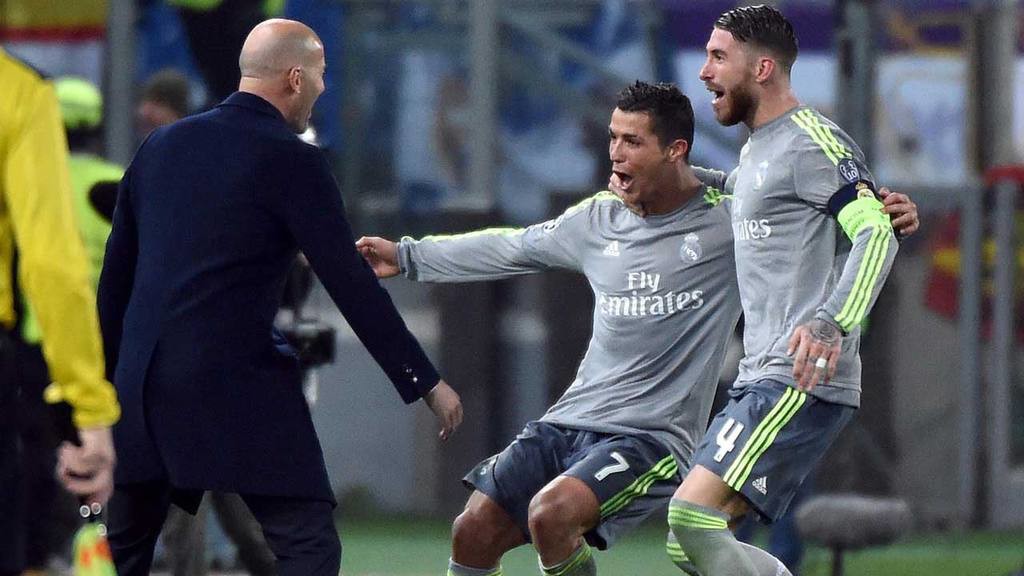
{"x":37,"y":517}
{"x":50,"y":513}
{"x":300,"y":532}
{"x":185,"y":536}
{"x":12,"y":541}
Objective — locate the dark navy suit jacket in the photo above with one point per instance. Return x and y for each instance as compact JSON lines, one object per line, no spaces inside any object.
{"x":209,"y":217}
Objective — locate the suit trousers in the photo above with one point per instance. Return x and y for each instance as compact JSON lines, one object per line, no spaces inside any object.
{"x":185,"y":536}
{"x":300,"y":532}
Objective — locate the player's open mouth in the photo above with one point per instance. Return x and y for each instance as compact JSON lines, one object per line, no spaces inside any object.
{"x":624,"y":179}
{"x":719,"y":94}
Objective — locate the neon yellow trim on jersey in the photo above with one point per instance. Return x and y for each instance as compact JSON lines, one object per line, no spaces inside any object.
{"x":714,"y":196}
{"x":826,"y":133}
{"x":817,"y":139}
{"x":856,"y":304}
{"x":498,"y":231}
{"x":822,"y":135}
{"x":509,"y":231}
{"x":602,"y":196}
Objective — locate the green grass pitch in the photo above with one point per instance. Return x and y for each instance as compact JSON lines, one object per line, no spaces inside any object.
{"x":421,"y":548}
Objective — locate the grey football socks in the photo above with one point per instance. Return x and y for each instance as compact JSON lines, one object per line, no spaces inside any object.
{"x":678,"y":557}
{"x":705,"y":547}
{"x":456,"y":569}
{"x":579,"y":563}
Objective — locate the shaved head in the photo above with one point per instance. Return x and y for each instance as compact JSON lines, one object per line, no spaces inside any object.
{"x":276,"y":46}
{"x":282,"y":61}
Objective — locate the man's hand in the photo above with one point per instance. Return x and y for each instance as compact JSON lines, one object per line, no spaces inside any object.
{"x":818,"y":345}
{"x":381,"y":254}
{"x":447,"y":406}
{"x":901,"y":210}
{"x":88,"y":470}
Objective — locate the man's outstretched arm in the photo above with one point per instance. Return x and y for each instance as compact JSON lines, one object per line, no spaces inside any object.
{"x":488,"y":254}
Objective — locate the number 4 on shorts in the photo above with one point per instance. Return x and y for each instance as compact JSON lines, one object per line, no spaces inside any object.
{"x":726,"y":439}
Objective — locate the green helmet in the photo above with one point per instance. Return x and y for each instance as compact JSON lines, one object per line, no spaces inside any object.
{"x":81,"y":104}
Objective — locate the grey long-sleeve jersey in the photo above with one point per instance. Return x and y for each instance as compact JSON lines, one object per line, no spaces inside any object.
{"x":665,"y":303}
{"x":811,"y":241}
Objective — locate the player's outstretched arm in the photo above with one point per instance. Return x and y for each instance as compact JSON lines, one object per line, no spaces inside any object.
{"x":446,"y":406}
{"x":381,"y":254}
{"x":901,"y":210}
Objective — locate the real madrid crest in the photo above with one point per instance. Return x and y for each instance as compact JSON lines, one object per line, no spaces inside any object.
{"x":761,"y":174}
{"x":691,"y":251}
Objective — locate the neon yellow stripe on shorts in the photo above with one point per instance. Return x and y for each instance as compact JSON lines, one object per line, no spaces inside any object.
{"x":763,"y":437}
{"x":663,"y":470}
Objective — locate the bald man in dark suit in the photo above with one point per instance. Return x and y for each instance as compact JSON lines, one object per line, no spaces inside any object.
{"x":209,"y":217}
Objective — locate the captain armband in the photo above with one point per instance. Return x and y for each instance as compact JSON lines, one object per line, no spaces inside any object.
{"x":857,"y":206}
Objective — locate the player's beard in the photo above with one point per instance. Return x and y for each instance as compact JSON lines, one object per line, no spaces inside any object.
{"x":741,"y":102}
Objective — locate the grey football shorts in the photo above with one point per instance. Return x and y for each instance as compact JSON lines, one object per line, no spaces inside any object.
{"x":633,"y":476}
{"x":767,"y":439}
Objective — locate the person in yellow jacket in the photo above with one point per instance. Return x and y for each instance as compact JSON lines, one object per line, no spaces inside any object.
{"x":48,"y":516}
{"x":39,"y":238}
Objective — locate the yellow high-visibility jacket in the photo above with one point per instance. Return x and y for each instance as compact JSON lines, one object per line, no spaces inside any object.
{"x":37,"y":226}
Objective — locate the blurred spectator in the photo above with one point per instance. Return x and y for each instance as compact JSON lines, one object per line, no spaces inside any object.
{"x":216,"y":30}
{"x":165,"y":98}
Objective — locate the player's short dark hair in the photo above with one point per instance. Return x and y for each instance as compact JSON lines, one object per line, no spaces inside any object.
{"x":764,"y":26}
{"x":669,"y":109}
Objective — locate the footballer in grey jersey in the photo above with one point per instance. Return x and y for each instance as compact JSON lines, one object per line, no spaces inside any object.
{"x":795,"y":177}
{"x":659,"y":258}
{"x":813,"y":247}
{"x":665,"y":302}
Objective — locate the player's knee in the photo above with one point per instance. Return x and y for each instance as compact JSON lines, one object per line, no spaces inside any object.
{"x":551,"y":515}
{"x":478,"y":529}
